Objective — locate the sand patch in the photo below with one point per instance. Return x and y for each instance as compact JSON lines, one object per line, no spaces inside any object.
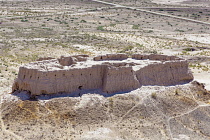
{"x":202,"y":38}
{"x":170,"y":2}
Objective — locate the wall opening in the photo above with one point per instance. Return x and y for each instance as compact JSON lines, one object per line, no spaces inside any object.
{"x":80,"y":87}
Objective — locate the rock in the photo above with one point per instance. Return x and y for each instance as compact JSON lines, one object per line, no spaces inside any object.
{"x":66,"y":61}
{"x":80,"y":58}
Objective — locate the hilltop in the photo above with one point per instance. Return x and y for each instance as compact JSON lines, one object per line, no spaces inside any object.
{"x":31,"y":29}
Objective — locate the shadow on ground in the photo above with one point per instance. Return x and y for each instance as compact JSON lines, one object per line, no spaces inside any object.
{"x":25,"y":95}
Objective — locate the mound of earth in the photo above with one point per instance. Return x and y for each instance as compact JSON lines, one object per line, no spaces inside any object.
{"x":150,"y":112}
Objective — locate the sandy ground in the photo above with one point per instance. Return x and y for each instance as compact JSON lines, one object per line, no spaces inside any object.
{"x":183,"y":2}
{"x":202,"y":38}
{"x":171,"y":2}
{"x":91,"y":49}
{"x":14,"y":0}
{"x":202,"y":77}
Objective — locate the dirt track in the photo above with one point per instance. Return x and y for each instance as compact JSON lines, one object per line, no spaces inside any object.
{"x":151,"y":12}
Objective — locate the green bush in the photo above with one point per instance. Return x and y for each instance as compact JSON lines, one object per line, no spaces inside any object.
{"x":83,"y":21}
{"x":24,"y":20}
{"x":189,"y":49}
{"x":135,"y":27}
{"x":100,"y":28}
{"x":154,"y":95}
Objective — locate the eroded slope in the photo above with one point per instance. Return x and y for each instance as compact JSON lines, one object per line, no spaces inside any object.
{"x":146,"y":113}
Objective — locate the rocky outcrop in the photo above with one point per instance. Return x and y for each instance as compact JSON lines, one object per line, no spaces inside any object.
{"x":111,"y":73}
{"x":66,"y":61}
{"x":69,"y":60}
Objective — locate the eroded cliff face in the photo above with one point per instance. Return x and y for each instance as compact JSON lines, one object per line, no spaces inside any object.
{"x":111,"y":73}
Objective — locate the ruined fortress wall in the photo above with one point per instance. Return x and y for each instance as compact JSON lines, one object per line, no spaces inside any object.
{"x":136,"y":56}
{"x":111,"y":57}
{"x":155,"y":57}
{"x":71,"y":80}
{"x":119,"y":80}
{"x":165,"y":74}
{"x":110,"y":77}
{"x":39,"y":82}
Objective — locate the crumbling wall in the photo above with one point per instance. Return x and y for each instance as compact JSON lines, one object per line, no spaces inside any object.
{"x":155,"y":57}
{"x":50,"y":76}
{"x":165,"y":74}
{"x":80,"y":58}
{"x":120,"y":56}
{"x":69,"y":60}
{"x":119,"y":79}
{"x":39,"y":82}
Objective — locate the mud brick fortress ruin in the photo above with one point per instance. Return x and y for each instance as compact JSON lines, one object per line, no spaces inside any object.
{"x":110,"y":73}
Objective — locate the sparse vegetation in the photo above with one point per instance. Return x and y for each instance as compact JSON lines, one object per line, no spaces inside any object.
{"x":24,"y":20}
{"x":83,"y":21}
{"x":199,"y":66}
{"x":101,"y":28}
{"x":178,"y":30}
{"x":127,"y":49}
{"x":135,"y":27}
{"x":154,"y":95}
{"x":189,"y":49}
